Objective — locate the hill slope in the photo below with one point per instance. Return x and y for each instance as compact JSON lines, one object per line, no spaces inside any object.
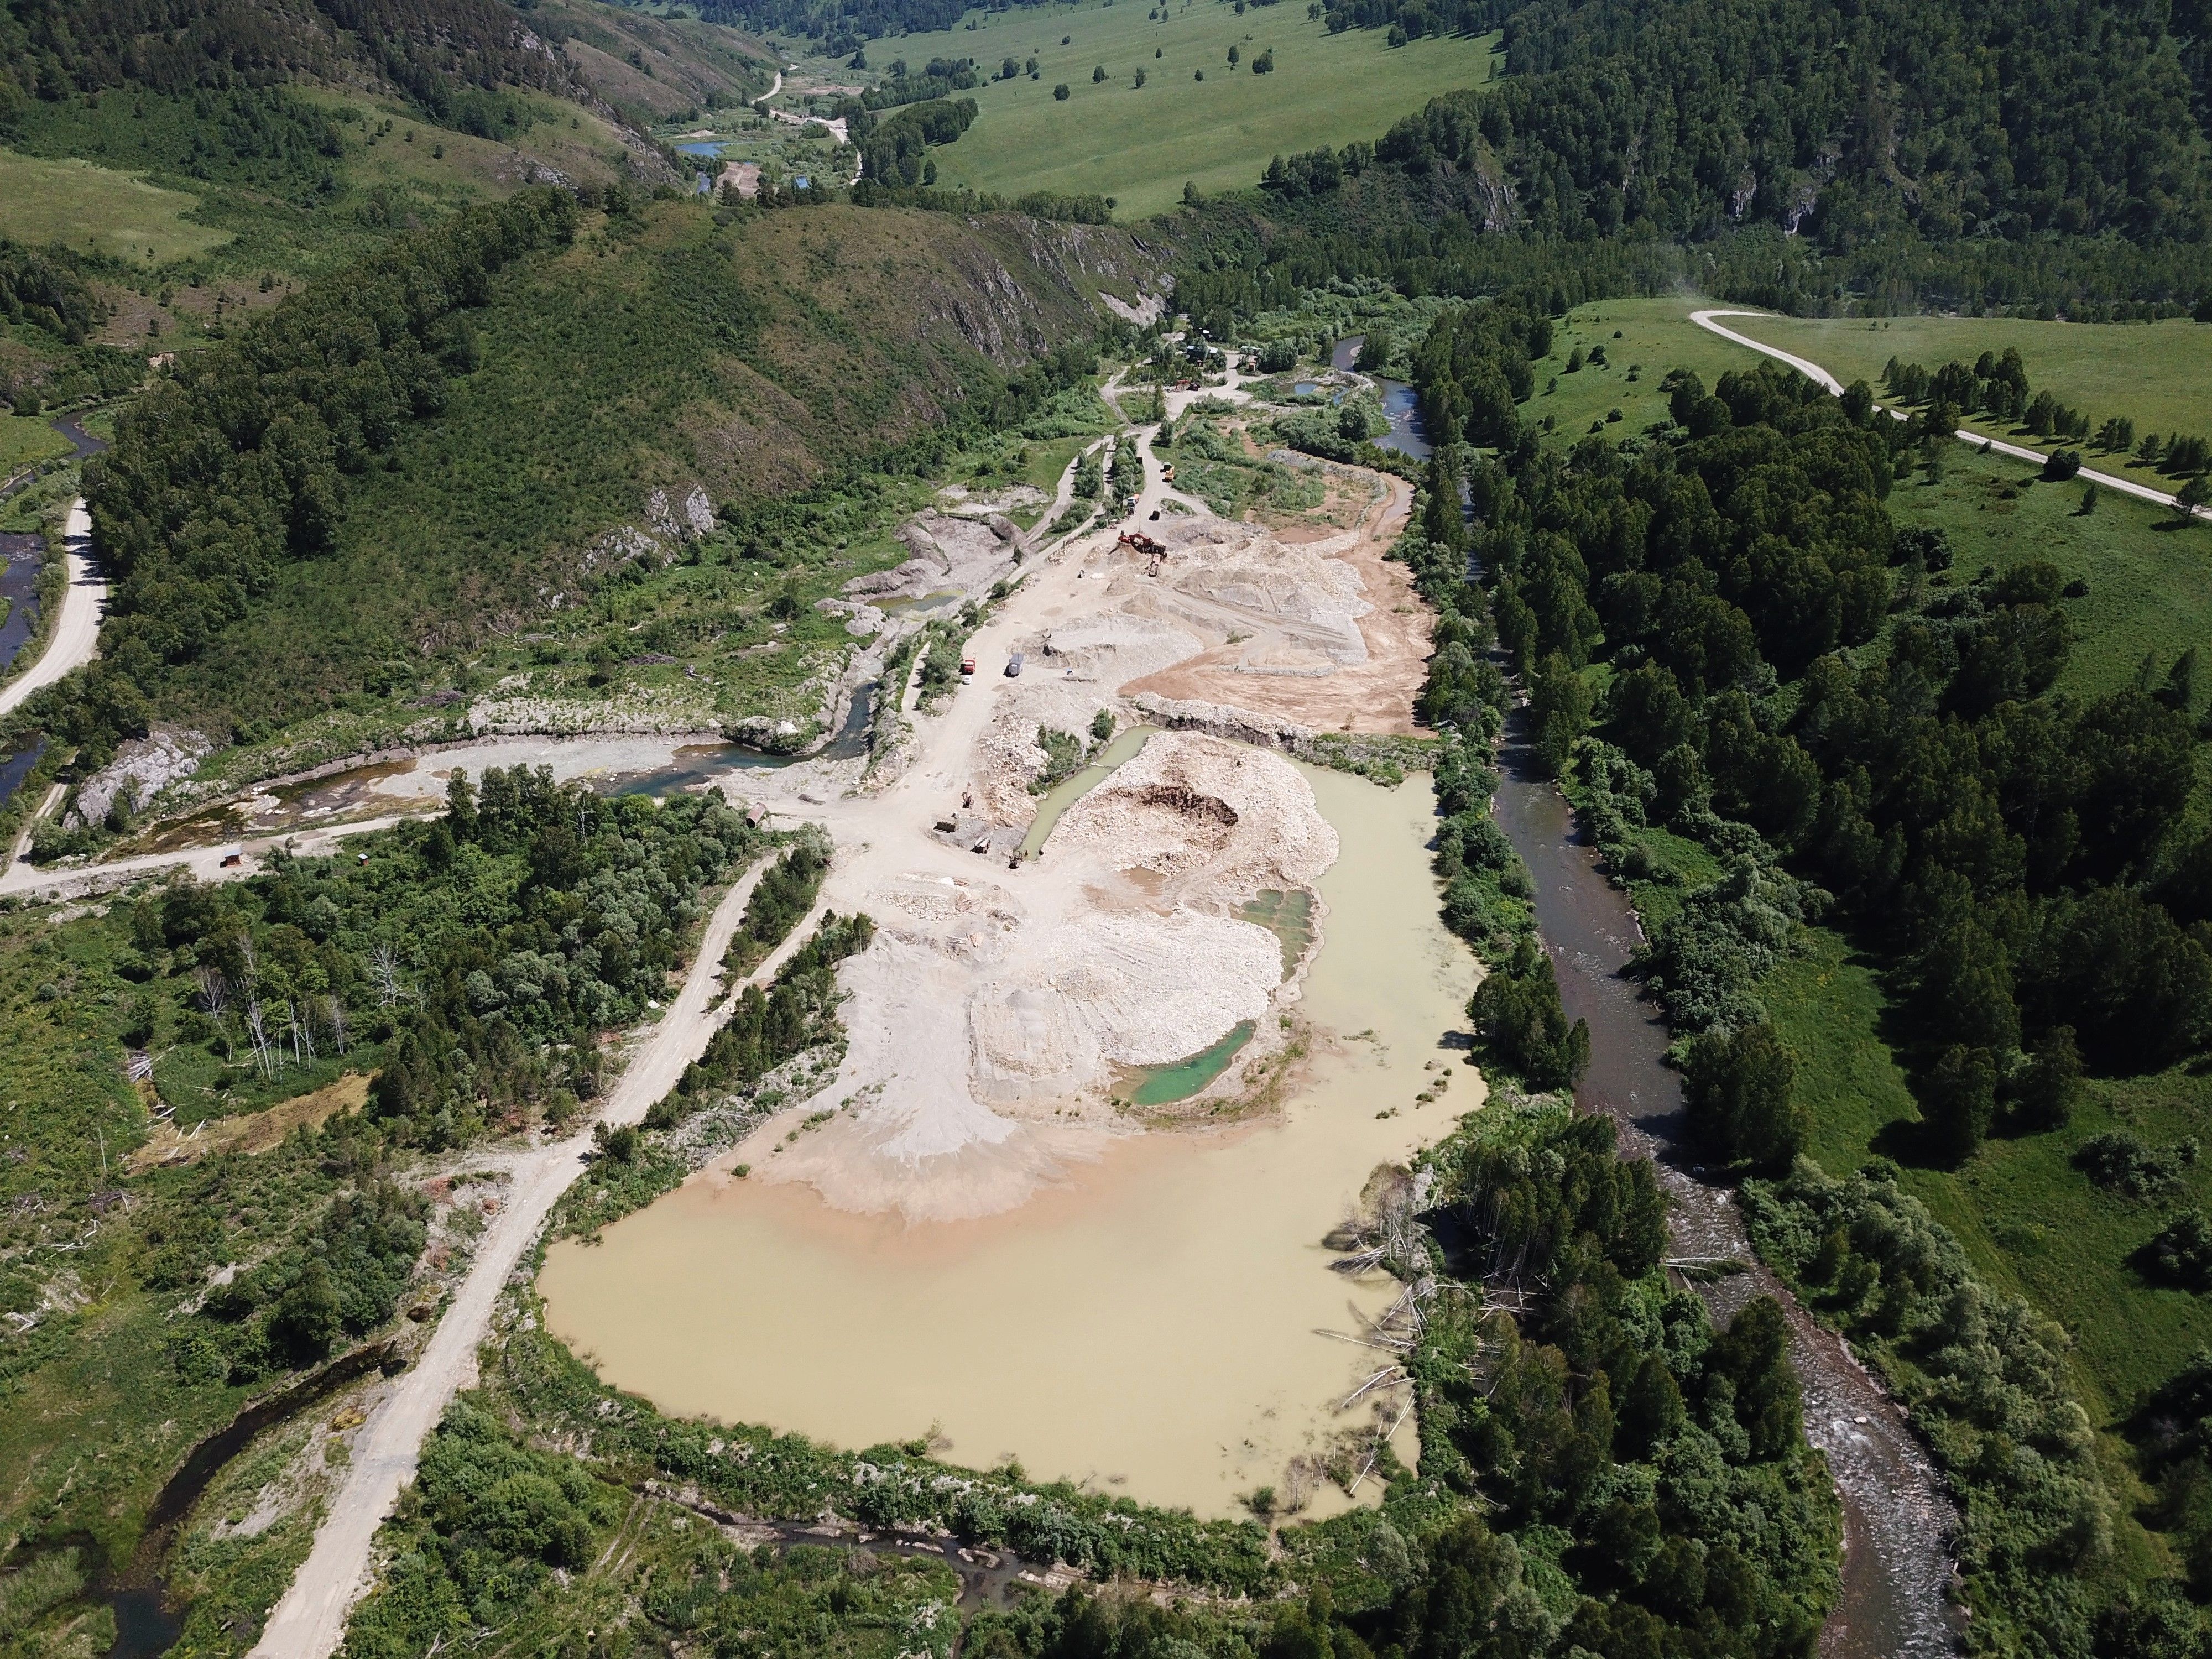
{"x":502,"y":414}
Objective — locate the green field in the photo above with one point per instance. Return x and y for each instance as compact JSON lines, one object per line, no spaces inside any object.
{"x":28,"y":438}
{"x":1655,"y":335}
{"x":2150,"y":581}
{"x":1139,"y":145}
{"x":2158,"y":374}
{"x":95,"y":210}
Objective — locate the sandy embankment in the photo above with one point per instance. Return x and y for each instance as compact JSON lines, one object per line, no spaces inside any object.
{"x":1276,"y":646}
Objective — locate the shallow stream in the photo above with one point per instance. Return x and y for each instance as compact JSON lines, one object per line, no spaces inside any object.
{"x":1399,"y":403}
{"x":1153,"y":1325}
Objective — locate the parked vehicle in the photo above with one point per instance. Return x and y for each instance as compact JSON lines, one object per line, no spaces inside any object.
{"x":1014,"y":666}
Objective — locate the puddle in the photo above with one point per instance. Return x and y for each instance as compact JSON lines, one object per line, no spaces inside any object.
{"x":1163,"y":1085}
{"x":1151,"y":1326}
{"x":1069,"y":790}
{"x":945,"y":598}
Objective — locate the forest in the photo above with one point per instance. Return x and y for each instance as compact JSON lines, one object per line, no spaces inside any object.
{"x":468,"y":964}
{"x":1735,"y":655}
{"x":438,"y":50}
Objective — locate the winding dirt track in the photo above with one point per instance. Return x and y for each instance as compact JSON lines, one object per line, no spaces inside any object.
{"x":1821,"y":376}
{"x":310,"y":1621}
{"x":75,"y":641}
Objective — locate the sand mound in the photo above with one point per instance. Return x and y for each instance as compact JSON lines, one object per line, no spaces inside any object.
{"x":1240,"y":574}
{"x":1133,"y":990}
{"x":1223,"y":822}
{"x":988,"y":1022}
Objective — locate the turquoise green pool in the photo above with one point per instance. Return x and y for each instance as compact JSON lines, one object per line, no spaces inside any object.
{"x":1163,"y":1085}
{"x":1289,"y":917}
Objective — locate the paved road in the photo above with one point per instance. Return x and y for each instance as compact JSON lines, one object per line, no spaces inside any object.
{"x":1821,"y":376}
{"x":310,"y":1621}
{"x":75,"y":640}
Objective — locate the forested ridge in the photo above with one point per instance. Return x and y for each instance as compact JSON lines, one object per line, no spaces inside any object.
{"x":443,"y":55}
{"x":1676,"y":118}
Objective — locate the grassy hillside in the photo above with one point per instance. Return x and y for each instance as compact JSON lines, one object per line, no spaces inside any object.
{"x":1140,"y":144}
{"x":322,"y":141}
{"x":97,"y":209}
{"x":608,"y":438}
{"x":654,"y":67}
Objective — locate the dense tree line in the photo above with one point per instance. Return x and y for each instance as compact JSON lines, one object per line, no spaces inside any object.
{"x":765,"y":1028}
{"x":476,"y":954}
{"x":1670,"y":1454}
{"x":343,"y":1278}
{"x":893,"y":150}
{"x":784,"y":893}
{"x":598,"y":894}
{"x":46,"y":290}
{"x":1998,"y":386}
{"x":2019,"y":852}
{"x":445,"y":55}
{"x":1679,"y":117}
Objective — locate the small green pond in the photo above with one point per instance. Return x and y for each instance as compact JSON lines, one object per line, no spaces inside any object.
{"x":1289,"y":917}
{"x":1163,"y":1085}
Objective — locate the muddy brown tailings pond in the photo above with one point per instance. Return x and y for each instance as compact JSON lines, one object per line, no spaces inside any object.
{"x":1897,"y":1526}
{"x":1151,"y":1326}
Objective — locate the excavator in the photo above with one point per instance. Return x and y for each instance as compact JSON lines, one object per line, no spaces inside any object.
{"x":1137,"y":542}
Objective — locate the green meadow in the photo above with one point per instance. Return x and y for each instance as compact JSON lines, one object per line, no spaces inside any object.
{"x":96,"y":211}
{"x":25,"y":439}
{"x":1139,"y":145}
{"x":2157,"y":374}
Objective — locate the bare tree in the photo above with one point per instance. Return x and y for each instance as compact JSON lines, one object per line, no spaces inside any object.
{"x":211,"y":990}
{"x":303,"y":1035}
{"x":257,"y":1030}
{"x":383,"y":967}
{"x":334,"y":1008}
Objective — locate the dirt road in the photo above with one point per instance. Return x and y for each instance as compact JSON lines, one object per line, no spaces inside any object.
{"x":75,"y":640}
{"x":204,"y":863}
{"x":1821,"y":376}
{"x":310,"y":1621}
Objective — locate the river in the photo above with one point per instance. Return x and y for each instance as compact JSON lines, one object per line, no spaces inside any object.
{"x":1897,"y":1527}
{"x":1400,"y":404}
{"x":1153,"y":1326}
